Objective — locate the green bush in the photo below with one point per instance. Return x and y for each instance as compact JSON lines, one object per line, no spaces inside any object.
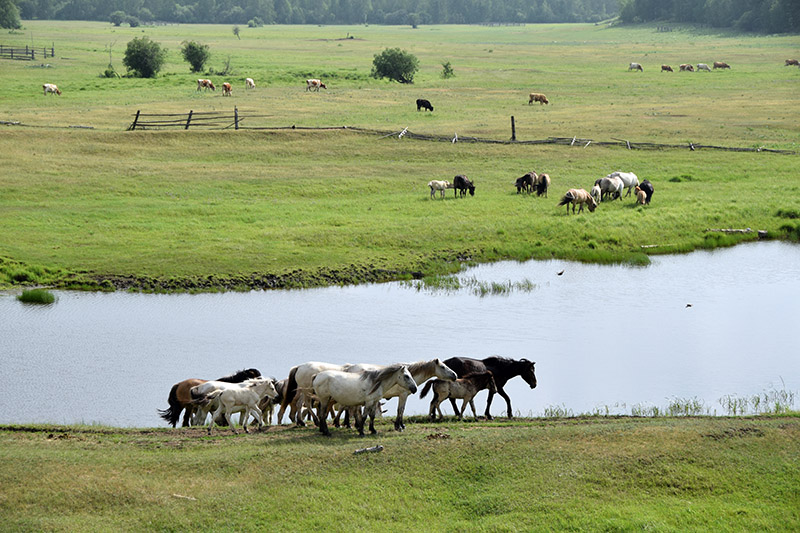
{"x":395,"y":64}
{"x":195,"y":54}
{"x":144,"y":57}
{"x":36,"y":296}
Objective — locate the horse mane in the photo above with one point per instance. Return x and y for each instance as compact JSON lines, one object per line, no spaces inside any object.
{"x":378,"y":376}
{"x":241,"y":375}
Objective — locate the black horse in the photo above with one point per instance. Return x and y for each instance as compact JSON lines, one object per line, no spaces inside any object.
{"x":525,"y":183}
{"x":648,"y":189}
{"x":502,"y":368}
{"x":462,"y":184}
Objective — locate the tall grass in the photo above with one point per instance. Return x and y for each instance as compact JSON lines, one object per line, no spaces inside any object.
{"x":37,"y":296}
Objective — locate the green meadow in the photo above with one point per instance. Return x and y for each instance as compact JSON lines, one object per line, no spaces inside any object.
{"x":102,"y":207}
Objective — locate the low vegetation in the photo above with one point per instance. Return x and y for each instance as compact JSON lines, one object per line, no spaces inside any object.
{"x":36,"y":296}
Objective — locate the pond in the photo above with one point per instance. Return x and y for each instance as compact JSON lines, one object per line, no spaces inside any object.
{"x":604,"y":338}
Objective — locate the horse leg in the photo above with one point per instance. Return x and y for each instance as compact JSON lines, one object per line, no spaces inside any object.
{"x":230,"y":423}
{"x":323,"y":420}
{"x":401,"y":407}
{"x":460,"y":414}
{"x":371,"y":414}
{"x":489,"y":405}
{"x":502,"y":393}
{"x":213,"y":418}
{"x":453,"y":403}
{"x":258,"y":414}
{"x":472,"y":405}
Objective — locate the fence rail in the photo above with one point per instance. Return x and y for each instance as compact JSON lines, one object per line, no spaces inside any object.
{"x":203,"y":119}
{"x":27,"y":54}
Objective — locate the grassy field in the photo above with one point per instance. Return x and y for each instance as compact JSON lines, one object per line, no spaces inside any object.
{"x":182,"y":210}
{"x":596,"y":474}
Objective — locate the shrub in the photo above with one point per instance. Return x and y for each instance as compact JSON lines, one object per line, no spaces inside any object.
{"x":9,"y":15}
{"x":132,"y":21}
{"x":195,"y":54}
{"x":117,"y":18}
{"x":395,"y":64}
{"x":447,"y":70}
{"x":36,"y":296}
{"x":144,"y":57}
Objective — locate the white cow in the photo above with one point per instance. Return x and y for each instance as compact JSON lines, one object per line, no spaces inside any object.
{"x":51,"y":88}
{"x":439,"y":185}
{"x":314,"y":85}
{"x":249,"y":83}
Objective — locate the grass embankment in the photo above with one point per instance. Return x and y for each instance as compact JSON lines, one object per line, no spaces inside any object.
{"x":664,"y":474}
{"x":192,"y":210}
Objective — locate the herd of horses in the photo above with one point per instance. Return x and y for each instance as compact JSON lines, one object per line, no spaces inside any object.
{"x":319,"y":391}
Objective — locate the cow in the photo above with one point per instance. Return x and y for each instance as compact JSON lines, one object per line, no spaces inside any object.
{"x":424,"y":104}
{"x":635,"y":66}
{"x":686,"y":67}
{"x":205,"y":85}
{"x":703,"y":66}
{"x":51,"y":88}
{"x":249,"y":83}
{"x":666,"y":68}
{"x":721,"y":64}
{"x":537,"y":97}
{"x":314,"y":85}
{"x":227,"y":89}
{"x":791,"y":63}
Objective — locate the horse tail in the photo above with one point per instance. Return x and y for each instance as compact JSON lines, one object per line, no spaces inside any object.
{"x":567,"y":199}
{"x":173,"y":412}
{"x":291,"y":389}
{"x":426,"y":388}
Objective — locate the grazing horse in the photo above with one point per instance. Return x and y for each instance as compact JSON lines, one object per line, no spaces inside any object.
{"x":641,"y":196}
{"x":703,"y":66}
{"x":610,"y":186}
{"x":686,"y":67}
{"x":578,"y":196}
{"x":721,"y":64}
{"x":596,"y":193}
{"x":525,"y":183}
{"x":537,"y":97}
{"x":314,"y":85}
{"x":180,"y":395}
{"x":791,"y":63}
{"x":51,"y":88}
{"x":439,"y":185}
{"x":463,"y":388}
{"x":249,"y":83}
{"x":421,"y":371}
{"x":227,"y":89}
{"x":635,"y":66}
{"x":424,"y":104}
{"x":244,"y":397}
{"x":354,"y":390}
{"x":502,"y":369}
{"x":298,"y":389}
{"x":462,"y":184}
{"x":647,"y":187}
{"x":542,"y":184}
{"x":629,"y":180}
{"x":666,"y":68}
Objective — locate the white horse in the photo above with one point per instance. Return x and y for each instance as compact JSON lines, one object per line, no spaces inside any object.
{"x":205,"y":401}
{"x":610,"y":187}
{"x":439,"y":185}
{"x":241,"y":396}
{"x":596,"y":193}
{"x":354,"y":390}
{"x":421,"y":371}
{"x":629,"y":180}
{"x":298,"y":389}
{"x":703,"y":66}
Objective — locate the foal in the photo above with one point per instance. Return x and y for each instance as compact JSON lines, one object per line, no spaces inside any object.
{"x":465,"y":388}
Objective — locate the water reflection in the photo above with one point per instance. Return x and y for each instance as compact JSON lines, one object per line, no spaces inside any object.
{"x":600,"y":336}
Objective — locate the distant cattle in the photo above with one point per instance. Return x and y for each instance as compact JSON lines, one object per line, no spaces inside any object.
{"x":249,"y":83}
{"x":666,"y":68}
{"x":537,"y":97}
{"x":227,"y":89}
{"x":51,"y":88}
{"x":791,"y":62}
{"x":424,"y":104}
{"x":703,"y":66}
{"x":205,"y":85}
{"x":686,"y":67}
{"x":635,"y":66}
{"x":314,"y":85}
{"x":721,"y":64}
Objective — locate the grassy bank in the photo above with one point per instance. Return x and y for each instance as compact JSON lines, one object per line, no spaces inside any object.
{"x":662,"y":474}
{"x":200,"y":210}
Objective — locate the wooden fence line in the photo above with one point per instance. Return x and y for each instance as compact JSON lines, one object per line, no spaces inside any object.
{"x":27,"y":54}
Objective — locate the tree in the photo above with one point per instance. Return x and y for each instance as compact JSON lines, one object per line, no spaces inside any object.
{"x":195,"y":54}
{"x":395,"y":64}
{"x":447,"y":70}
{"x":236,"y":32}
{"x":9,"y":15}
{"x":144,"y":57}
{"x":117,"y":17}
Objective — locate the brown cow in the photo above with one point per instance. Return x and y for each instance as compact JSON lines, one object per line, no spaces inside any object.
{"x":51,"y":88}
{"x":666,"y":68}
{"x":721,"y":64}
{"x":537,"y":97}
{"x":227,"y":89}
{"x":686,"y":67}
{"x":791,"y":62}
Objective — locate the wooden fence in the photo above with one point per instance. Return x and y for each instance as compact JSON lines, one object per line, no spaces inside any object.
{"x":28,"y":53}
{"x":195,"y":119}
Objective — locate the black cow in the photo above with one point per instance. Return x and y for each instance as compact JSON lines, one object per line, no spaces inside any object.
{"x":424,"y":104}
{"x":462,"y":184}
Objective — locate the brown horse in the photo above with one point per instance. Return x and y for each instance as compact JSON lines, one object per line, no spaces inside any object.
{"x":464,"y":388}
{"x":502,"y":369}
{"x":180,"y":398}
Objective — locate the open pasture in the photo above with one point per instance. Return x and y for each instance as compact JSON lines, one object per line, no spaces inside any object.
{"x":177,"y":204}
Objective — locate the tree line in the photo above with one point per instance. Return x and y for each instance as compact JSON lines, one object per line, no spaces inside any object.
{"x":763,"y":16}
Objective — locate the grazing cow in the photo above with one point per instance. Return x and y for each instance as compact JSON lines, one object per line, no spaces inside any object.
{"x":666,"y":68}
{"x":647,"y":187}
{"x":686,"y":67}
{"x":227,"y":89}
{"x":791,"y":63}
{"x":424,"y":104}
{"x":542,"y":184}
{"x":249,"y":83}
{"x":635,"y":66}
{"x":721,"y":64}
{"x":462,"y":184}
{"x":703,"y":66}
{"x":314,"y":85}
{"x":439,"y":185}
{"x":51,"y":88}
{"x":537,"y":97}
{"x":641,"y":196}
{"x":578,"y":196}
{"x":525,"y":183}
{"x":205,"y":85}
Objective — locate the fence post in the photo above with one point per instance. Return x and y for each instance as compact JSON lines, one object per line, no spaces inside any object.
{"x":188,"y":120}
{"x":135,"y":119}
{"x":513,"y":129}
{"x":235,"y":118}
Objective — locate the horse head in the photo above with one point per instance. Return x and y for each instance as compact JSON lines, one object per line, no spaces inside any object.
{"x":528,"y":374}
{"x":407,"y":380}
{"x":443,"y":371}
{"x":592,"y":204}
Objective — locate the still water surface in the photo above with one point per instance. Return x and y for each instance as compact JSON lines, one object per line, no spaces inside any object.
{"x":601,"y":336}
